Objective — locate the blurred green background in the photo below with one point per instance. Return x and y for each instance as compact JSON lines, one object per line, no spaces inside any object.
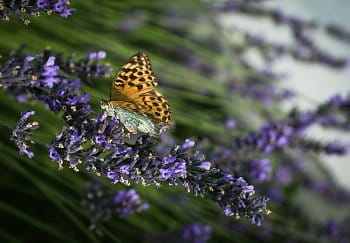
{"x":38,"y":203}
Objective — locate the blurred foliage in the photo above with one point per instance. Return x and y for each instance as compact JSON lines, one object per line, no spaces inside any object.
{"x":40,"y":203}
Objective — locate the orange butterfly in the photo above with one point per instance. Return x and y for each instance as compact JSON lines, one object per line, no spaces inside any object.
{"x":134,"y":99}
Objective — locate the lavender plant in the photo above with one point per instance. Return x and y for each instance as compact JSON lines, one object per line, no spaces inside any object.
{"x":196,"y":233}
{"x":306,"y":50}
{"x":85,"y":139}
{"x":257,"y":90}
{"x":102,"y":204}
{"x":334,"y":114}
{"x":126,"y":162}
{"x":265,"y":157}
{"x":22,"y":133}
{"x":44,"y":76}
{"x":34,"y":8}
{"x":246,"y":157}
{"x":101,"y":145}
{"x":291,"y":132}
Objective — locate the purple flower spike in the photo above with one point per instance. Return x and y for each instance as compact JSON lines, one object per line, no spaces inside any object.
{"x":98,"y":143}
{"x":196,"y":233}
{"x":333,"y":228}
{"x":53,"y":154}
{"x":101,"y":55}
{"x":260,"y":169}
{"x":188,"y":144}
{"x":67,"y":12}
{"x":42,"y":77}
{"x":205,"y":165}
{"x":172,"y":169}
{"x":101,"y":204}
{"x":230,"y":123}
{"x":35,"y":7}
{"x":42,"y":3}
{"x":228,"y":212}
{"x":182,"y":166}
{"x":22,"y":133}
{"x":96,"y":55}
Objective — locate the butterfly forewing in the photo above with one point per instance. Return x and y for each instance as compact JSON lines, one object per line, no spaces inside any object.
{"x":134,"y":77}
{"x":133,"y":88}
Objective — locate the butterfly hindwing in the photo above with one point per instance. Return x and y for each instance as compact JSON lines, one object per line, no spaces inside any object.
{"x":157,"y":105}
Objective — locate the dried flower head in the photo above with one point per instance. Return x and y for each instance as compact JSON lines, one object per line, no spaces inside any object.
{"x":22,"y":133}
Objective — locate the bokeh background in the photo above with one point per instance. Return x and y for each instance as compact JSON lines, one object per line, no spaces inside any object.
{"x":313,"y":83}
{"x":212,"y":73}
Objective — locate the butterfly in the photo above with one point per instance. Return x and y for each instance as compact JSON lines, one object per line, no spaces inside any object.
{"x":134,"y":99}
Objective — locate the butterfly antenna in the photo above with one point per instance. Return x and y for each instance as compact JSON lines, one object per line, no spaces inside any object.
{"x":99,"y":93}
{"x":102,"y":100}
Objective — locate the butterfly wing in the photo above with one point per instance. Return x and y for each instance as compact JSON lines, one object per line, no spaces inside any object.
{"x":133,"y":88}
{"x":157,"y":106}
{"x":134,"y":77}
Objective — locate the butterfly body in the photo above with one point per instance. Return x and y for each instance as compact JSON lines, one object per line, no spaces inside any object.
{"x":134,"y":99}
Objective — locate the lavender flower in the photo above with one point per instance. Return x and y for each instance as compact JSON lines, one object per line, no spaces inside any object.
{"x":316,"y":146}
{"x":104,"y":134}
{"x":230,"y":123}
{"x":172,"y":168}
{"x":128,"y":202}
{"x":336,"y":231}
{"x":260,"y":169}
{"x":100,"y":145}
{"x":277,"y":136}
{"x":196,"y":233}
{"x":34,"y":8}
{"x":255,"y":170}
{"x":269,"y":138}
{"x":41,"y":76}
{"x":256,"y":87}
{"x":22,"y":133}
{"x":283,"y":175}
{"x":275,"y":194}
{"x":332,"y":228}
{"x":101,"y":204}
{"x":125,"y":162}
{"x":333,"y":113}
{"x":87,"y":67}
{"x":188,"y":144}
{"x":290,"y":133}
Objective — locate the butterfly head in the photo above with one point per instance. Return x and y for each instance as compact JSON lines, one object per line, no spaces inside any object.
{"x":104,"y":104}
